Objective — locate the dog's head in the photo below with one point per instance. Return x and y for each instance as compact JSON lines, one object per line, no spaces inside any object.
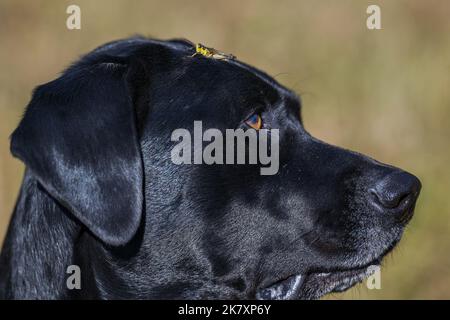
{"x":100,"y":140}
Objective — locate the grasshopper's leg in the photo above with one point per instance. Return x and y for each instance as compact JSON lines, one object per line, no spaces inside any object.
{"x":219,"y":55}
{"x":224,"y":57}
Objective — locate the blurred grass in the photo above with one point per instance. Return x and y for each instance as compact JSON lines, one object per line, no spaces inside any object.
{"x":384,"y":93}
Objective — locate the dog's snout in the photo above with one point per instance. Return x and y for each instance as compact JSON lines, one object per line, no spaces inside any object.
{"x":397,"y":190}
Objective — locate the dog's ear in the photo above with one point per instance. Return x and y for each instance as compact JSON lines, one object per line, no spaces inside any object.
{"x":79,"y":138}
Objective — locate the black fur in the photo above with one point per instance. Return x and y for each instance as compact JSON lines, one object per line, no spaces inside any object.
{"x":100,"y":190}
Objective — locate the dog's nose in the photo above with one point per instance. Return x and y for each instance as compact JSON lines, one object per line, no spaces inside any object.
{"x":397,"y":190}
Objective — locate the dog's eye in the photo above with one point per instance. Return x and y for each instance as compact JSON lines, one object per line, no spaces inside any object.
{"x":254,"y":121}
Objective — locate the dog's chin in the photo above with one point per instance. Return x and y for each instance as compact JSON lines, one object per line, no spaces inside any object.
{"x":316,"y":284}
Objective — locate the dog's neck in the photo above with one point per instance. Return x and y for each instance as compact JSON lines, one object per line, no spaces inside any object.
{"x":38,"y":247}
{"x":43,"y":240}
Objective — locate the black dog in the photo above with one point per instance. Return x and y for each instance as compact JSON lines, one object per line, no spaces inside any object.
{"x":101,"y":192}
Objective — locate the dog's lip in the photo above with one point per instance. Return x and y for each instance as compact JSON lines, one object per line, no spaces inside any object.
{"x":342,"y":280}
{"x":282,"y":290}
{"x":291,"y":287}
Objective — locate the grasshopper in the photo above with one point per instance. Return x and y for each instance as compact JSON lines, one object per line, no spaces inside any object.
{"x":211,"y":53}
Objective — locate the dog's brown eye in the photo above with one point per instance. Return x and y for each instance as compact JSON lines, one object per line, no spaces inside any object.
{"x":254,"y":121}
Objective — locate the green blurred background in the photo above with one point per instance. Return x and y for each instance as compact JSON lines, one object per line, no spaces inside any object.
{"x":384,"y":92}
